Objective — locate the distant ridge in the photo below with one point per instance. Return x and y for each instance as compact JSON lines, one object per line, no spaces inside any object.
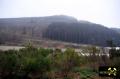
{"x":58,"y":27}
{"x":82,"y":33}
{"x":116,"y":29}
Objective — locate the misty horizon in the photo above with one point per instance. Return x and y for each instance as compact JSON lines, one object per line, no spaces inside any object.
{"x":97,"y":11}
{"x":58,"y":15}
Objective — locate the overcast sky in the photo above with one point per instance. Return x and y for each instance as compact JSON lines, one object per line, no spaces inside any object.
{"x":106,"y":12}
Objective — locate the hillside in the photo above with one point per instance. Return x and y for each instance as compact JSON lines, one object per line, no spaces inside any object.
{"x":81,"y":32}
{"x":59,"y":27}
{"x":19,"y":29}
{"x":116,"y":29}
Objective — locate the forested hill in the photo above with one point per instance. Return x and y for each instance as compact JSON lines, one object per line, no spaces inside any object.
{"x":81,"y":32}
{"x":116,"y":29}
{"x":18,"y":29}
{"x":59,"y":27}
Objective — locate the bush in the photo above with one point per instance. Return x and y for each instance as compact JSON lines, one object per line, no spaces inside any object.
{"x":31,"y":62}
{"x":84,"y":72}
{"x":8,"y":63}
